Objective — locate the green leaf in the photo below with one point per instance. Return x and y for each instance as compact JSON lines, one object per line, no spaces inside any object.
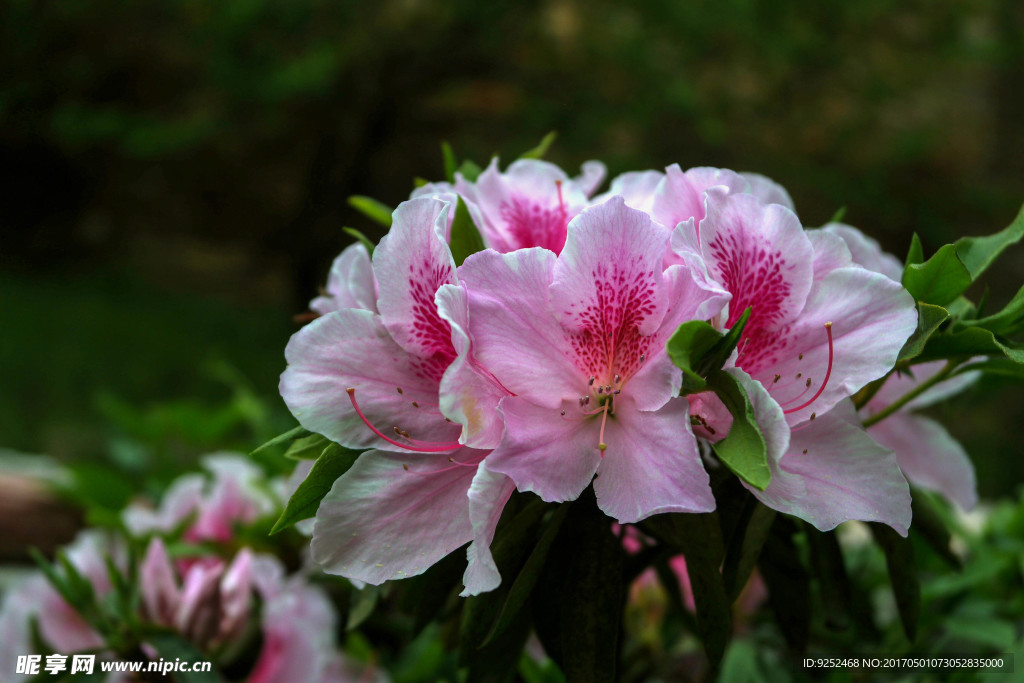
{"x":450,"y":165}
{"x":698,"y":349}
{"x":744,"y":450}
{"x":940,"y":279}
{"x":1010,"y":320}
{"x":699,"y":537}
{"x":1003,"y":367}
{"x":929,"y":318}
{"x":528,"y":576}
{"x":171,"y":646}
{"x":466,"y":239}
{"x":972,"y":341}
{"x":332,"y":463}
{"x":469,"y":171}
{"x":745,"y":545}
{"x":541,"y":149}
{"x":363,"y":603}
{"x":997,"y":634}
{"x":687,"y":347}
{"x":929,"y":526}
{"x":839,"y":215}
{"x":834,"y":587}
{"x":372,"y":209}
{"x":360,"y":237}
{"x":978,"y":253}
{"x":512,"y":542}
{"x":906,"y":586}
{"x":788,"y":583}
{"x":307,"y":448}
{"x":584,"y":587}
{"x":280,"y":439}
{"x":915,"y":254}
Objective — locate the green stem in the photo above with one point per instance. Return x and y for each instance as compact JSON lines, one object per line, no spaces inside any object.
{"x":911,"y":395}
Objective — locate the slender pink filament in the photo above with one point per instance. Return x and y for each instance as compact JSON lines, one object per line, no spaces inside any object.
{"x":456,"y":464}
{"x":418,"y":446}
{"x":828,"y":373}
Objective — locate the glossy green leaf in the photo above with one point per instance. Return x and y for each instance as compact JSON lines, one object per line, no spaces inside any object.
{"x":361,"y":238}
{"x":940,"y":279}
{"x":307,"y":448}
{"x":1010,"y":320}
{"x":541,"y":149}
{"x":745,"y":545}
{"x":450,"y":165}
{"x":690,"y":343}
{"x":465,"y":239}
{"x":972,"y":341}
{"x":528,"y":576}
{"x":929,"y":318}
{"x":172,"y":647}
{"x":281,"y":439}
{"x":978,"y":253}
{"x":372,"y":209}
{"x":332,"y":463}
{"x":788,"y":583}
{"x":1003,"y":367}
{"x":906,"y":586}
{"x":915,"y":254}
{"x":698,"y":349}
{"x":744,"y":450}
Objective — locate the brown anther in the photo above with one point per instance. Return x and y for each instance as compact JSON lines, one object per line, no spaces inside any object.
{"x":800,"y":356}
{"x":447,"y":420}
{"x":799,"y":375}
{"x":451,"y":460}
{"x":600,"y":390}
{"x":808,"y":385}
{"x":415,"y":404}
{"x":777,"y":378}
{"x":590,"y":382}
{"x":399,"y":389}
{"x":805,"y":451}
{"x":405,"y":467}
{"x":563,"y":413}
{"x":813,"y":415}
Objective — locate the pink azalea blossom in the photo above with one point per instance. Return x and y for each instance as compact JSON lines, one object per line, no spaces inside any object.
{"x":402,"y":380}
{"x":925,"y":451}
{"x":350,"y":283}
{"x":820,"y":329}
{"x":530,"y":204}
{"x":213,"y":506}
{"x":579,"y":340}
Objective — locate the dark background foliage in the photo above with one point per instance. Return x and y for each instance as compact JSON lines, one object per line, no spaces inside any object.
{"x":176,"y":172}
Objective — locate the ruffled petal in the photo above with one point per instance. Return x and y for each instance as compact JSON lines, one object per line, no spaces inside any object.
{"x":866,"y":251}
{"x":469,"y":394}
{"x":834,"y":472}
{"x":392,"y":516}
{"x":350,"y":283}
{"x":830,"y":252}
{"x":681,"y":196}
{"x":637,"y":188}
{"x":487,"y":497}
{"x":767,"y":190}
{"x":652,"y":464}
{"x":410,"y":263}
{"x":929,"y":456}
{"x":591,"y":176}
{"x":516,"y":336}
{"x":871,"y":318}
{"x":351,"y":348}
{"x":543,"y":451}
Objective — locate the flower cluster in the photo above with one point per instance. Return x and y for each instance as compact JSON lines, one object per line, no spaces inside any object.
{"x":195,"y":581}
{"x":540,"y":363}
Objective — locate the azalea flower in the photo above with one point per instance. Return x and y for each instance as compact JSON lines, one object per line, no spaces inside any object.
{"x":350,"y":283}
{"x":211,"y":507}
{"x":530,"y":204}
{"x":925,"y":451}
{"x":820,"y":329}
{"x":581,"y":347}
{"x":363,"y":378}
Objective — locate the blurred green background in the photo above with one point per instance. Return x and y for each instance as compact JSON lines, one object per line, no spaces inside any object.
{"x":176,"y":172}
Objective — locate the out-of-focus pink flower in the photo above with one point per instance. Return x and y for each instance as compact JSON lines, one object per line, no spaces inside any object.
{"x":213,"y":506}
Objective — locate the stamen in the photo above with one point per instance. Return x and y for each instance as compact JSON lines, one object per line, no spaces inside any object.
{"x":418,"y":446}
{"x":828,"y":373}
{"x":602,"y":446}
{"x":561,"y":199}
{"x":590,"y":383}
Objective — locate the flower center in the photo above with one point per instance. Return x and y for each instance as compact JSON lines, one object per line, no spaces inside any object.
{"x":532,"y":224}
